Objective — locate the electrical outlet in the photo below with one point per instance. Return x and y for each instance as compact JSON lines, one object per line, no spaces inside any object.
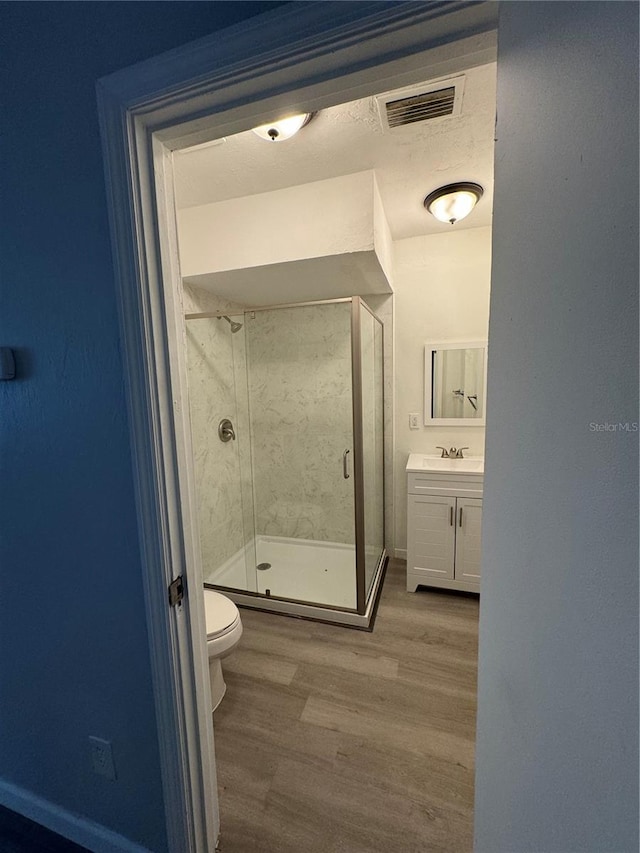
{"x":414,"y":420}
{"x":102,"y":757}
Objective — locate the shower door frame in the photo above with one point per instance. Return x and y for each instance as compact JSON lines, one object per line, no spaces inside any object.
{"x":362,"y":615}
{"x":364,"y":603}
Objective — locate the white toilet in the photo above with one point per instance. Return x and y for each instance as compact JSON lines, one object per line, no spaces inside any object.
{"x":224,"y":630}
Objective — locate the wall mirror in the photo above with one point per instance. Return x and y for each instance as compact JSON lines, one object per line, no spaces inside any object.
{"x":455,"y":383}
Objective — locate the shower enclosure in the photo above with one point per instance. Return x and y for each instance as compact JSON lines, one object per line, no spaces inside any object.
{"x":286,"y":408}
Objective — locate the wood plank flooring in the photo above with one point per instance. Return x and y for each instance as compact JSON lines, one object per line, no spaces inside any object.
{"x":331,"y":740}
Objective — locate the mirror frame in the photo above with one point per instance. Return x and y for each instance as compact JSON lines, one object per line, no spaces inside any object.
{"x":428,"y":383}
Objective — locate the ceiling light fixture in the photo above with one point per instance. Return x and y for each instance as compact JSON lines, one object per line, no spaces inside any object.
{"x":284,"y":128}
{"x":453,"y":202}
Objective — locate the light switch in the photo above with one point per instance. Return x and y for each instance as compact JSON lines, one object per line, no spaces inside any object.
{"x":414,"y":420}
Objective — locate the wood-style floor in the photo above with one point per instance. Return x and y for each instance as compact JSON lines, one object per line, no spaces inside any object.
{"x":331,"y":740}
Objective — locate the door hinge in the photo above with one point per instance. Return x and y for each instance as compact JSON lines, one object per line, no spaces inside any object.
{"x":176,"y":591}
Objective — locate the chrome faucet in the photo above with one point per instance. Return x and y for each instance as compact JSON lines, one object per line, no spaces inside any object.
{"x":452,"y":453}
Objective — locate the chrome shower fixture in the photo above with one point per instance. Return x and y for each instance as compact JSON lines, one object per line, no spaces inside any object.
{"x":235,"y":327}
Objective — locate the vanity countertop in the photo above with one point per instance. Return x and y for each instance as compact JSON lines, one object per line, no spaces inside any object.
{"x":423,"y":463}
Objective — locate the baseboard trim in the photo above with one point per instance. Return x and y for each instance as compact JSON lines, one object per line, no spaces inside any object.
{"x":82,"y":831}
{"x":401,"y":553}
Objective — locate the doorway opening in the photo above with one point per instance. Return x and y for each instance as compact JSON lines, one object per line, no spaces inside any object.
{"x":142,"y":132}
{"x":289,"y":519}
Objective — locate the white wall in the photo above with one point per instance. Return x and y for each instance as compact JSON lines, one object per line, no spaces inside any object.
{"x":441,"y":294}
{"x":281,"y":225}
{"x":557,"y":736}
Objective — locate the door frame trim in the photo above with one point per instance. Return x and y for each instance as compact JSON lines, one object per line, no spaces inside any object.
{"x":316,"y":54}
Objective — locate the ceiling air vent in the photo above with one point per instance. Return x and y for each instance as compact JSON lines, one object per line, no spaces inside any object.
{"x":424,"y":103}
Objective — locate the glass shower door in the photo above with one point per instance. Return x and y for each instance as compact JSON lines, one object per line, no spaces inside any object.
{"x":300,"y":401}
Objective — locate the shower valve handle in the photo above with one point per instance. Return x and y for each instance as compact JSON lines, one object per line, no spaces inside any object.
{"x":226,"y":431}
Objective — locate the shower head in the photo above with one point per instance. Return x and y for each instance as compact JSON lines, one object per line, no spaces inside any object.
{"x":235,"y":327}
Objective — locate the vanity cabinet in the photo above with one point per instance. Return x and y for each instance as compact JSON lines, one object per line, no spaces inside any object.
{"x":444,"y":523}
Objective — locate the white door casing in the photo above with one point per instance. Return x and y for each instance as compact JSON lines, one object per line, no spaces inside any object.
{"x":304,"y":56}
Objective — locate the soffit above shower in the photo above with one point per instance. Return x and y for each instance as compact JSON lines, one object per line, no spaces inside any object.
{"x":320,"y":240}
{"x":408,"y":160}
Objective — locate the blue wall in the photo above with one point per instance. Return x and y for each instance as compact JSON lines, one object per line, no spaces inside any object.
{"x":557,"y":735}
{"x":72,"y":627}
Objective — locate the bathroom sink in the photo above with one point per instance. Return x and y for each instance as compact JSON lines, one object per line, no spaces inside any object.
{"x":420,"y":462}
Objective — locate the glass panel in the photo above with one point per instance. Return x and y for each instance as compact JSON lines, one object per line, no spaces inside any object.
{"x":216,"y":369}
{"x":299,"y":368}
{"x":372,"y":441}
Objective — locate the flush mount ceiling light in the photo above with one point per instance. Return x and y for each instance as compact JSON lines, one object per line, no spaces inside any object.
{"x":284,"y":128}
{"x":453,"y":202}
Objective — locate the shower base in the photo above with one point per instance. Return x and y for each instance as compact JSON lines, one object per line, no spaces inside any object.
{"x":301,"y":569}
{"x":314,"y":580}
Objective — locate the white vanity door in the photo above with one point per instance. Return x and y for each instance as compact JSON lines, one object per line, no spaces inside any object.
{"x":431,"y":535}
{"x":468,"y":539}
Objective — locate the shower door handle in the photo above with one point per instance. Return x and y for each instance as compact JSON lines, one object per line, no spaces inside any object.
{"x":345,"y":464}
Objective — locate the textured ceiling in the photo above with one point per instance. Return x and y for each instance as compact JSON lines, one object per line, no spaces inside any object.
{"x":409,"y":161}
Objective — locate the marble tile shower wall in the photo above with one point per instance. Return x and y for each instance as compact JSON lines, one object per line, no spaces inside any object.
{"x":300,"y":399}
{"x":216,"y":366}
